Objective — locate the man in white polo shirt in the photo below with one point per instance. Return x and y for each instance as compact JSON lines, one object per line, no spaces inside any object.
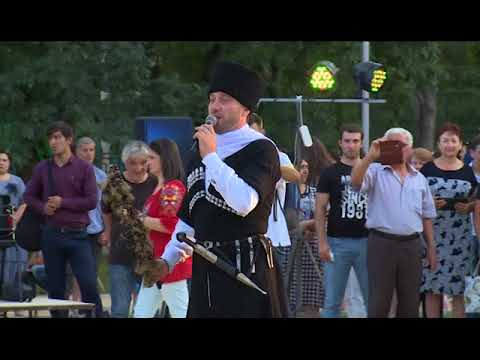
{"x":400,"y":208}
{"x":277,"y":230}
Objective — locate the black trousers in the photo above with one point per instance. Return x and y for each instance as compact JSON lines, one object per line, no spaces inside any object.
{"x":393,"y":264}
{"x":216,"y":295}
{"x":60,"y":247}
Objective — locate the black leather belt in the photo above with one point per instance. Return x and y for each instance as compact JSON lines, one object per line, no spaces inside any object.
{"x":395,"y":237}
{"x":264,"y":241}
{"x":96,"y":234}
{"x":219,"y":244}
{"x":65,"y":229}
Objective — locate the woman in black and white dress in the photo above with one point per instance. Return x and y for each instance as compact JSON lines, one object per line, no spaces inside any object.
{"x":306,"y":298}
{"x":452,"y":183}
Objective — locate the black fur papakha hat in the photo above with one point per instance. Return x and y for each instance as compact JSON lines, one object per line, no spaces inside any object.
{"x":239,"y":82}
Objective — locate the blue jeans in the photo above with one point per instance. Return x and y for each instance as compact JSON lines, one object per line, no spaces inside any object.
{"x":123,"y":283}
{"x":60,"y":247}
{"x":347,"y":252}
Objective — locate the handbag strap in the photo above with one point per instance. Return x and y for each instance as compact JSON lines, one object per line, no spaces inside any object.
{"x":276,"y":201}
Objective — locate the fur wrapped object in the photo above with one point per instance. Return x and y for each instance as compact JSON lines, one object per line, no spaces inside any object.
{"x":118,"y":197}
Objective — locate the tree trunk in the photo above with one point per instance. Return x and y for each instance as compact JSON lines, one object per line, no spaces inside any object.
{"x":213,"y":55}
{"x":426,"y":106}
{"x":274,"y":80}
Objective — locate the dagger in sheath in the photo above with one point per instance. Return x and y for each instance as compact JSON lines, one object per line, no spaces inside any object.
{"x":220,"y":263}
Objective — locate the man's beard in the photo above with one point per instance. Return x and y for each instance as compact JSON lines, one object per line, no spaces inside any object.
{"x":352,"y":155}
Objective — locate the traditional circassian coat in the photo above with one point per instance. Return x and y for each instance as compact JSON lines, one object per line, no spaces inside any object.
{"x":234,"y":237}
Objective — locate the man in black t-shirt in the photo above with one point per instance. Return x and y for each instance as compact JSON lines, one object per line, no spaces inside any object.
{"x":346,"y":246}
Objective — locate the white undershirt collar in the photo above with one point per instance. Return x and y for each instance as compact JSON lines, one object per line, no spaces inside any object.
{"x":231,"y":142}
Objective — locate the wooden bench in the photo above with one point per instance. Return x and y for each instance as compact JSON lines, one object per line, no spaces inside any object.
{"x":41,"y":304}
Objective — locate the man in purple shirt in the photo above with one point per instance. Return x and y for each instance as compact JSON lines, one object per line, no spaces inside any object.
{"x":64,"y":236}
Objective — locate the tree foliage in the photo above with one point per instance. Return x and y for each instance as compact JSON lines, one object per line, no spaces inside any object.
{"x":45,"y":81}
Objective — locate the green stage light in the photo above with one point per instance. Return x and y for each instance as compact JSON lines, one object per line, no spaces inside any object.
{"x":322,"y":77}
{"x":369,"y":76}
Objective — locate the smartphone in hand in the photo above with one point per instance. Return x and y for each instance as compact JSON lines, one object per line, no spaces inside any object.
{"x":450,"y":202}
{"x":391,"y":152}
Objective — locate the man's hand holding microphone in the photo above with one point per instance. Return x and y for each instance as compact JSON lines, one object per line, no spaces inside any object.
{"x":205,"y":137}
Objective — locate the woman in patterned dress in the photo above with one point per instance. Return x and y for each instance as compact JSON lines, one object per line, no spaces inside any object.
{"x":452,"y":183}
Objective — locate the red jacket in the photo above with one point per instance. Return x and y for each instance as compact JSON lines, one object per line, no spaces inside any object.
{"x":164,"y":205}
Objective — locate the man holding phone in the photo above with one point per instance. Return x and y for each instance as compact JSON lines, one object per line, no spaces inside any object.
{"x":400,"y":208}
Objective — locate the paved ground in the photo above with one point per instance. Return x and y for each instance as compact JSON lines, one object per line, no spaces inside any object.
{"x":106,"y":301}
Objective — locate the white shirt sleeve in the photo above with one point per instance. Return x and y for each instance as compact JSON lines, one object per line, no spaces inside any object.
{"x":235,"y":191}
{"x":428,"y":205}
{"x":369,"y":178}
{"x":183,"y":227}
{"x":284,"y":162}
{"x":284,"y":159}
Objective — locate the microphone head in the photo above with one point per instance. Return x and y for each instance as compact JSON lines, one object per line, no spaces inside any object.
{"x":211,"y":120}
{"x":305,"y":135}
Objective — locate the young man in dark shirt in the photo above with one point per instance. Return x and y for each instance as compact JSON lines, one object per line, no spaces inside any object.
{"x":66,"y":207}
{"x":346,"y":246}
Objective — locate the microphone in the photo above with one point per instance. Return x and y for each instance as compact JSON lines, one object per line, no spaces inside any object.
{"x":305,"y":135}
{"x":209,"y":120}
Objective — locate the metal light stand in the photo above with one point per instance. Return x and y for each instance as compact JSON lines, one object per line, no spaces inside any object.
{"x":365,"y":101}
{"x":7,"y":240}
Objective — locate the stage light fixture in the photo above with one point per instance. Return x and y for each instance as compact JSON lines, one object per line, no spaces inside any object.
{"x":369,"y":76}
{"x":322,"y":77}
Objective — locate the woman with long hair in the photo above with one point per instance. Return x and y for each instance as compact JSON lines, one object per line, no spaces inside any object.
{"x":318,"y":159}
{"x":160,"y":218}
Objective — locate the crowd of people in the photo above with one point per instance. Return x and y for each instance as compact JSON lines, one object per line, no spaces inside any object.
{"x":324,"y":235}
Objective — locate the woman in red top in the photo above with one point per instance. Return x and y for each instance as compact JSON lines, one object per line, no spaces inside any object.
{"x":160,"y":218}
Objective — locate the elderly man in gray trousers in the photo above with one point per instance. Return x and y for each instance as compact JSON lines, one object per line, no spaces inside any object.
{"x":400,"y":209}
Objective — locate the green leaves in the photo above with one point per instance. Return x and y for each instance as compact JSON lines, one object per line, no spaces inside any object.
{"x":41,"y":82}
{"x":45,"y":81}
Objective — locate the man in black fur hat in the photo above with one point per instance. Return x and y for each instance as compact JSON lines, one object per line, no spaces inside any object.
{"x":231,"y":183}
